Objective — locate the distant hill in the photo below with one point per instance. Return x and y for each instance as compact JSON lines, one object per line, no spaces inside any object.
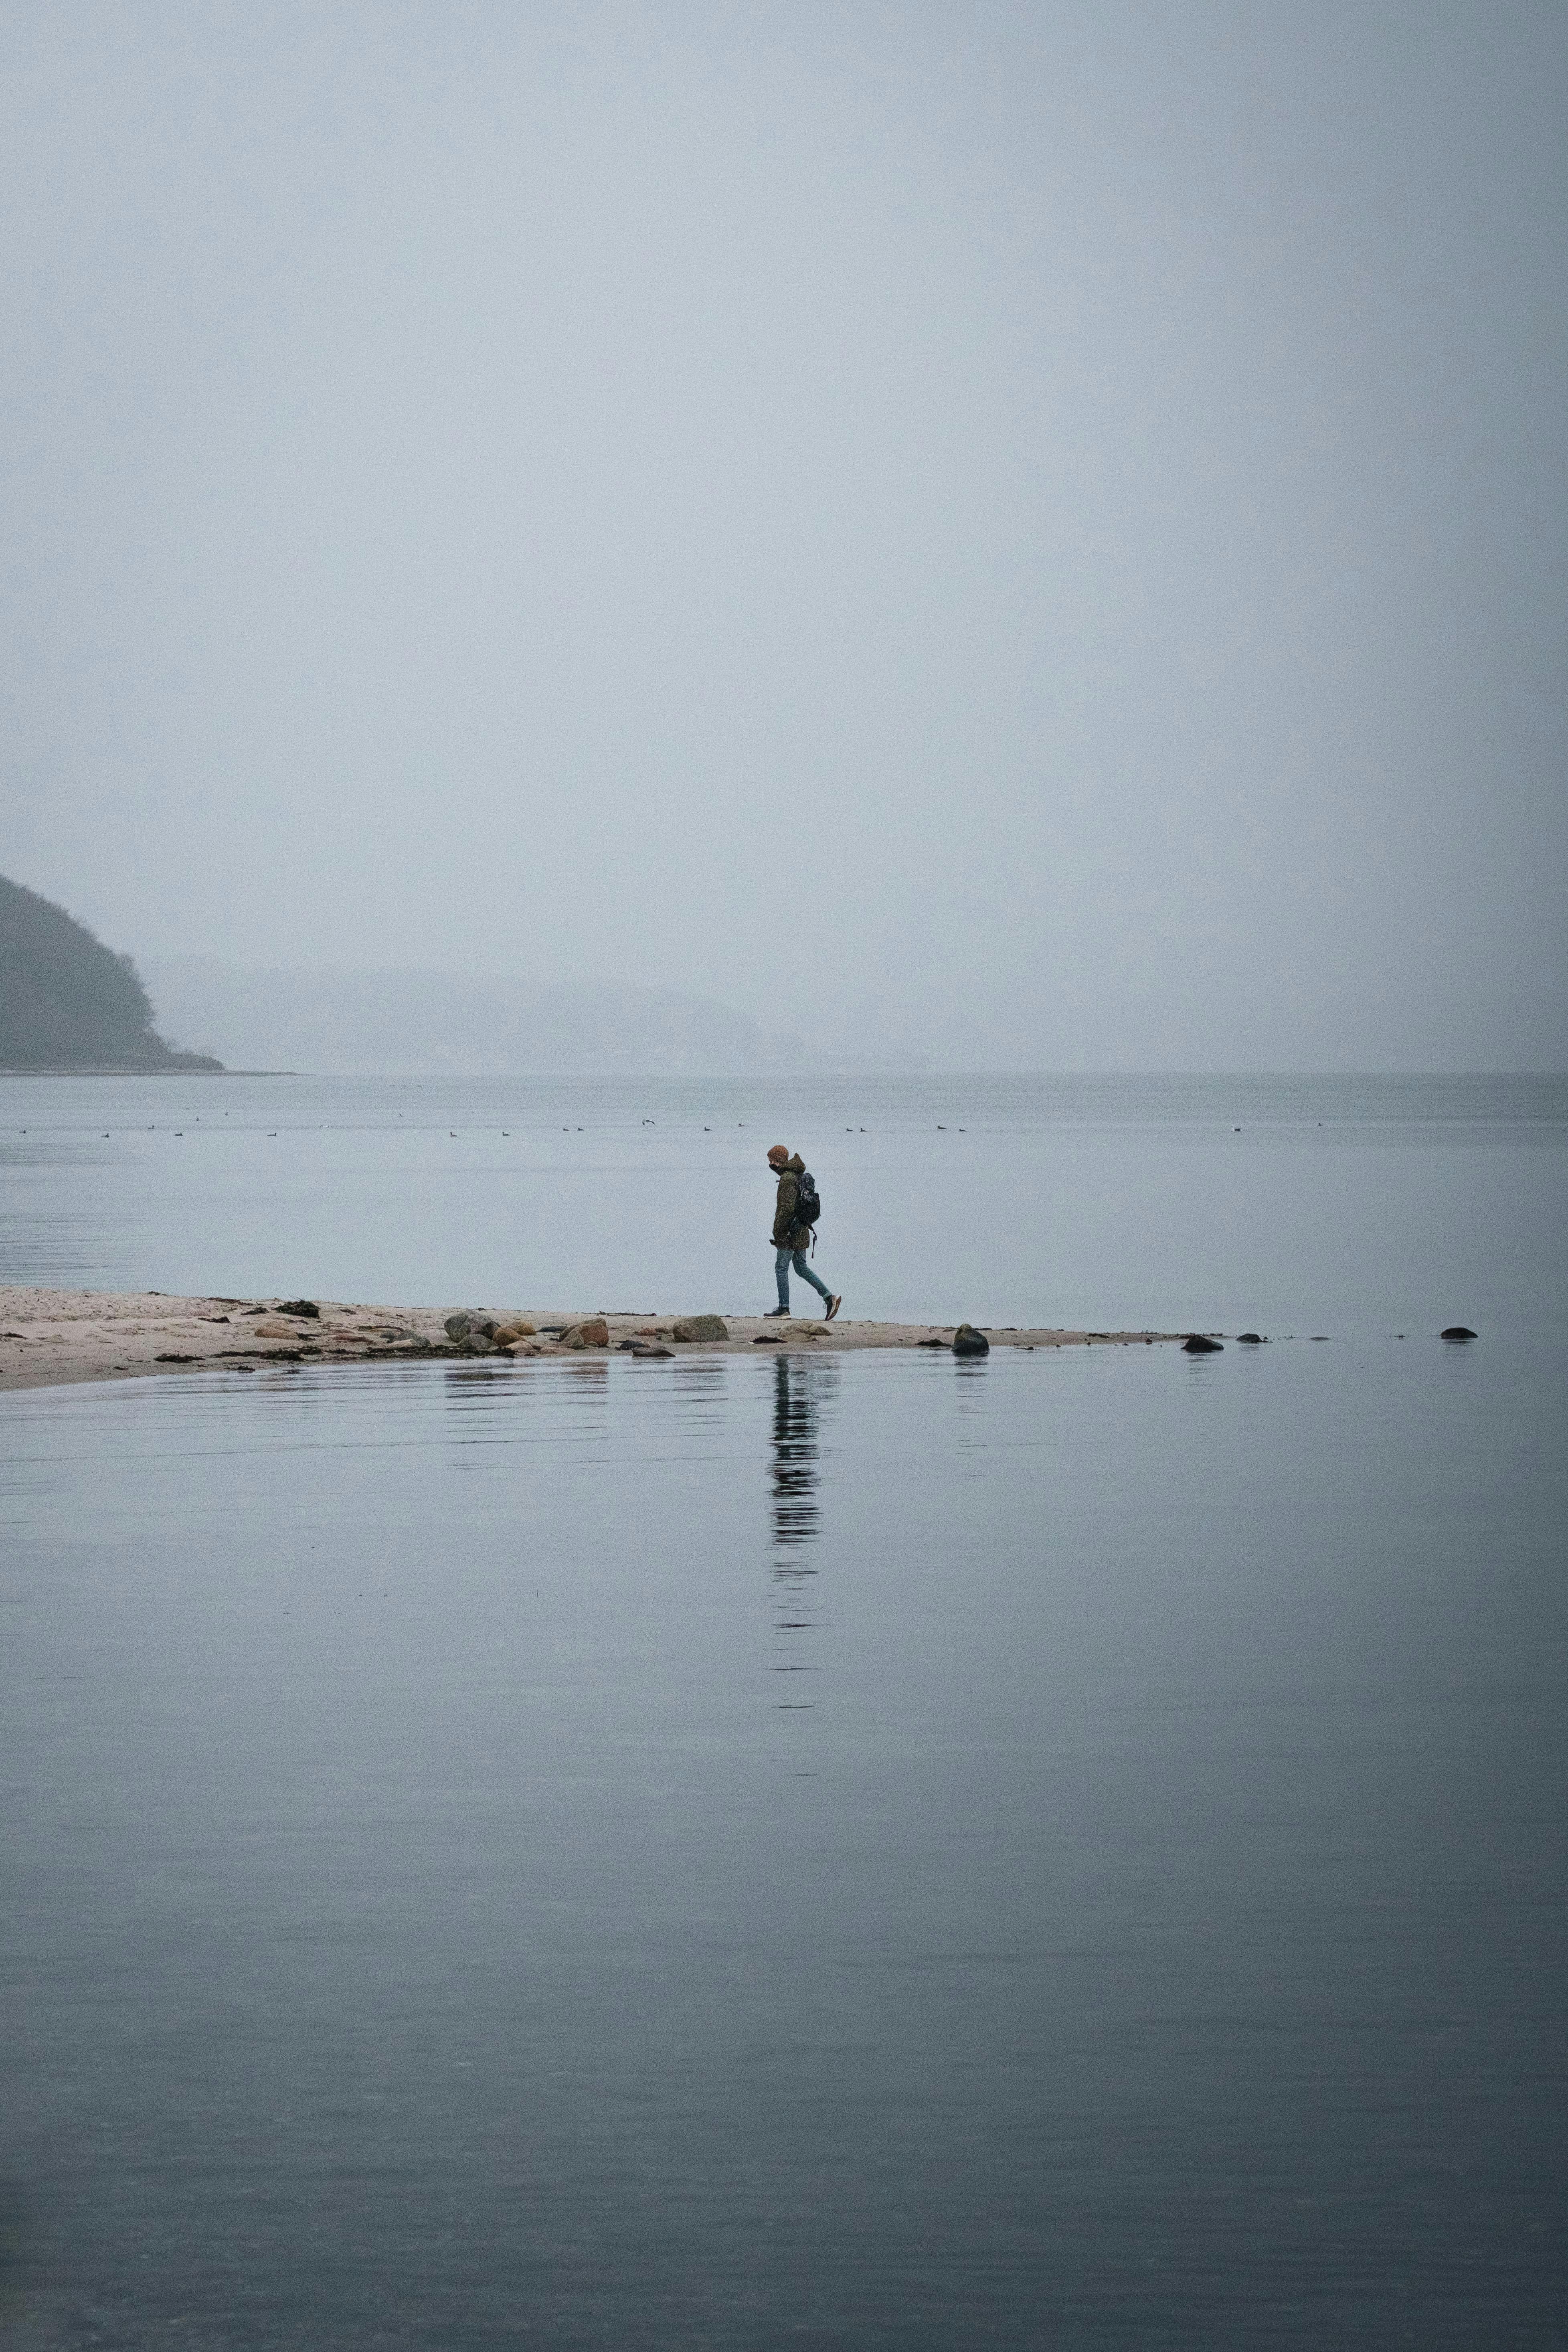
{"x":437,"y":1024}
{"x":67,"y":1002}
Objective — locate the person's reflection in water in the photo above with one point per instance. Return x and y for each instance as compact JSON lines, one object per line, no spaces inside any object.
{"x":796,"y":1507}
{"x":800,"y":1389}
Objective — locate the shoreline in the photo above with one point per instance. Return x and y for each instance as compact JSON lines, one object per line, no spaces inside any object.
{"x":54,"y":1337}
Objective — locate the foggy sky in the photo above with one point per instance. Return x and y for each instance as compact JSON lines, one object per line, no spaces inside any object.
{"x":1030,"y":533}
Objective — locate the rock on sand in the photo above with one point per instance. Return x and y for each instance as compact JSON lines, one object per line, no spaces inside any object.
{"x":593,"y":1332}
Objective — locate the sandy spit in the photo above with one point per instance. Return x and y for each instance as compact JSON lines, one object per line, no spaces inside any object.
{"x":52,"y":1336}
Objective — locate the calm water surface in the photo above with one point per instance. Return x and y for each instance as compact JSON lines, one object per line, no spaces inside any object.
{"x":872,"y":1850}
{"x":1345,"y":1205}
{"x":864,"y":1851}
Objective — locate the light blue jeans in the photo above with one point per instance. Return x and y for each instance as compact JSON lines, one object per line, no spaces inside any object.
{"x":782,"y":1260}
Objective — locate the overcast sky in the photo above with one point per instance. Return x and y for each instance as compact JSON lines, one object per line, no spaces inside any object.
{"x":1030,"y":532}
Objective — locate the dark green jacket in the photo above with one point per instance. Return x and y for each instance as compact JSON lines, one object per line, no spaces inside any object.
{"x":788,"y":1233}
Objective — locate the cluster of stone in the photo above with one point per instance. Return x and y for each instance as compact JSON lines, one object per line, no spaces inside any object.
{"x":476,"y":1331}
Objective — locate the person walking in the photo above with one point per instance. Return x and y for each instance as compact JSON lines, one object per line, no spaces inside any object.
{"x":792,"y":1235}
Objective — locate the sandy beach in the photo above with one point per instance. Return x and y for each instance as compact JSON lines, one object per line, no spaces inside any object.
{"x":49,"y":1337}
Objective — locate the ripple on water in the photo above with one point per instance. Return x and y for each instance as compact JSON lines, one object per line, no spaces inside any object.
{"x":907,"y":1852}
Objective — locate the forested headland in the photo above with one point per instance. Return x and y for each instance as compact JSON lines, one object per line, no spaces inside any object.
{"x":67,"y":1002}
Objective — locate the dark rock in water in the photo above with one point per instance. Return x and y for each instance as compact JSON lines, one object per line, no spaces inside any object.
{"x":968,"y":1341}
{"x":1249,"y":1338}
{"x":1458,"y":1331}
{"x":1198,"y":1343}
{"x":306,"y":1306}
{"x":643,"y":1347}
{"x":702,"y":1326}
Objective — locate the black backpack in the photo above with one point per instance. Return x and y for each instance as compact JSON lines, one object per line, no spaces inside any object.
{"x":807,"y":1199}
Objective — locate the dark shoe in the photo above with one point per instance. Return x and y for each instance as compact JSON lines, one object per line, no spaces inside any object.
{"x":773,"y":1311}
{"x":833,"y":1307}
